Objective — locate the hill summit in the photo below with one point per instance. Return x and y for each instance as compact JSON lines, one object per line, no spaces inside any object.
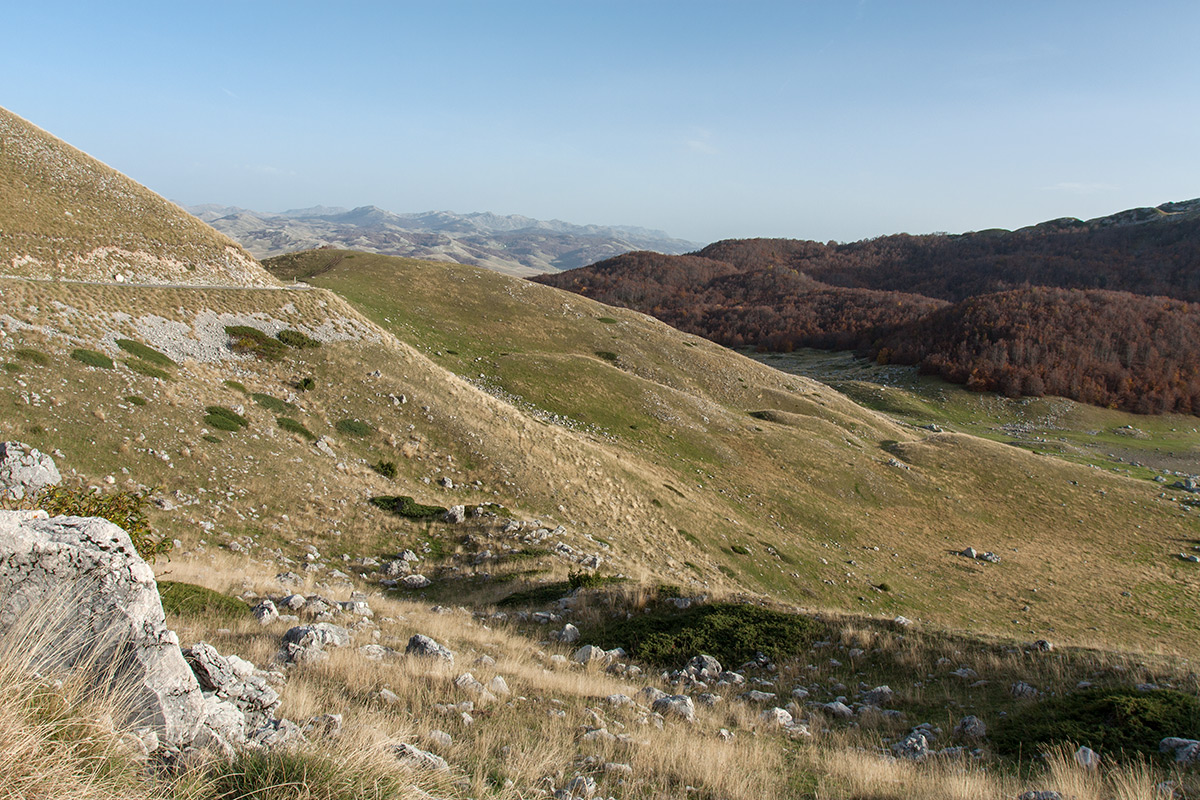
{"x":68,"y":216}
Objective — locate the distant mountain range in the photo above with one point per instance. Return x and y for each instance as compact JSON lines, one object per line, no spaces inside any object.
{"x":1106,"y":311}
{"x":511,"y":244}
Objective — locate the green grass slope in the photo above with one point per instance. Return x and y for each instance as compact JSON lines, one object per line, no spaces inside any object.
{"x":737,"y":476}
{"x":64,"y":214}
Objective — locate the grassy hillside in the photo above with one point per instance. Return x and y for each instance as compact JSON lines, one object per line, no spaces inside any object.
{"x":734,"y":475}
{"x":64,"y":214}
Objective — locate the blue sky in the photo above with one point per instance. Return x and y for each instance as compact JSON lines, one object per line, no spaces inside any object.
{"x":710,"y":120}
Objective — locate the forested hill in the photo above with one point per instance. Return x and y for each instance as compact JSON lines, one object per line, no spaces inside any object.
{"x":1088,"y":310}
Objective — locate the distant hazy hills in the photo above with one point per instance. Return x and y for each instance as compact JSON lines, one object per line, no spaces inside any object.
{"x":1106,"y":310}
{"x":512,"y":244}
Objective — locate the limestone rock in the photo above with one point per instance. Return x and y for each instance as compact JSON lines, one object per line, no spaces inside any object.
{"x":422,"y":646}
{"x":25,"y":470}
{"x":676,"y":705}
{"x":104,"y":610}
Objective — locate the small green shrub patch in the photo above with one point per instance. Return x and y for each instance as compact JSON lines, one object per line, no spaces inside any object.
{"x":295,"y":426}
{"x":188,"y":599}
{"x":13,"y":367}
{"x":353,"y":427}
{"x":32,"y":356}
{"x":407,"y":507}
{"x":273,"y":403}
{"x":208,"y":437}
{"x":251,"y":341}
{"x":304,"y":384}
{"x":385,"y":468}
{"x":92,"y":358}
{"x":740,"y":549}
{"x":1117,"y":722}
{"x":237,"y":386}
{"x":607,"y":355}
{"x":606,"y":320}
{"x":726,"y":571}
{"x":145,"y":353}
{"x":591,"y":580}
{"x":135,"y":400}
{"x":298,"y":339}
{"x":124,"y":509}
{"x":149,"y":370}
{"x":732,"y":633}
{"x":225,"y":419}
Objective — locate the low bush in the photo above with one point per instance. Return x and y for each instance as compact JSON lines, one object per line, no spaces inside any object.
{"x":251,"y":341}
{"x":135,"y":400}
{"x":125,"y":509}
{"x":1119,"y":722}
{"x":740,"y":549}
{"x":188,"y":599}
{"x":297,"y":339}
{"x":13,"y":367}
{"x":32,"y":356}
{"x":149,"y":370}
{"x":295,"y":426}
{"x":208,"y":437}
{"x":225,"y":419}
{"x":145,"y":353}
{"x":237,"y":386}
{"x":607,"y":355}
{"x":385,"y":468}
{"x":404,"y":506}
{"x":732,"y":633}
{"x":92,"y":358}
{"x":304,"y":384}
{"x":606,"y":320}
{"x":273,"y":403}
{"x":353,"y":427}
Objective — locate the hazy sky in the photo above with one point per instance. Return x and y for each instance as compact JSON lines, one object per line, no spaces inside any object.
{"x":710,"y":120}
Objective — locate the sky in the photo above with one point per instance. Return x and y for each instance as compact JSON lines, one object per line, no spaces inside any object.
{"x":709,"y":120}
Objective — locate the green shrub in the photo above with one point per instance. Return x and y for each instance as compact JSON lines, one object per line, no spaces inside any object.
{"x":149,"y":370}
{"x":606,"y":320}
{"x":273,"y":403}
{"x":208,"y":437}
{"x":252,"y":341}
{"x":92,"y":358}
{"x":607,"y":355}
{"x":404,"y":506}
{"x":385,"y":468}
{"x":297,"y":339}
{"x":225,"y":419}
{"x":135,"y":400}
{"x":237,"y":386}
{"x":125,"y":509}
{"x":295,"y":426}
{"x":12,"y":366}
{"x":353,"y":427}
{"x":591,"y":580}
{"x":740,"y":549}
{"x":188,"y":599}
{"x":1117,"y":722}
{"x":145,"y":353}
{"x":32,"y":356}
{"x":732,"y":633}
{"x":304,"y":384}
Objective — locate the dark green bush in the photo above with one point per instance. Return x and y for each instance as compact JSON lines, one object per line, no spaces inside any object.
{"x":149,"y":370}
{"x":740,"y":549}
{"x":12,"y":366}
{"x":192,"y":600}
{"x":208,"y":437}
{"x":304,"y":384}
{"x":1117,"y":722}
{"x":385,"y":468}
{"x":92,"y":358}
{"x":607,"y":355}
{"x":606,"y":320}
{"x":125,"y":509}
{"x":732,"y":633}
{"x":297,"y":339}
{"x":404,"y":506}
{"x":137,"y":401}
{"x":32,"y":356}
{"x":353,"y":427}
{"x":237,"y":386}
{"x":225,"y":419}
{"x":252,"y":341}
{"x":145,"y":353}
{"x":273,"y":403}
{"x":295,"y":426}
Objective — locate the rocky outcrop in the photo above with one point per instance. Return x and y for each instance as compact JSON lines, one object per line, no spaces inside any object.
{"x":76,"y":588}
{"x":25,"y":470}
